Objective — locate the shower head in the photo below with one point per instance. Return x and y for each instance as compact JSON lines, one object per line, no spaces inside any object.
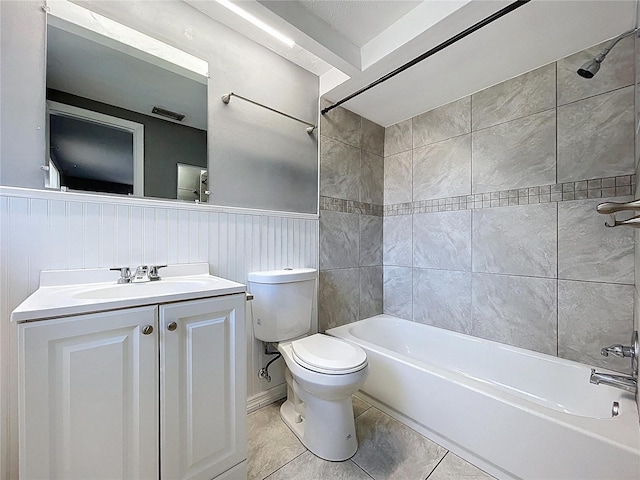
{"x":589,"y":69}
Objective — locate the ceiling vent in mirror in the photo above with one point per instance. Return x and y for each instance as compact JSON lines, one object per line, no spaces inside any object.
{"x":168,"y":113}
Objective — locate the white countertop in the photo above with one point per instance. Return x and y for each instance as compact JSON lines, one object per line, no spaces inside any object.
{"x":74,"y":292}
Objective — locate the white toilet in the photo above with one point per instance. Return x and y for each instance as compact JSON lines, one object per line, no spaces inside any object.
{"x":323,"y":372}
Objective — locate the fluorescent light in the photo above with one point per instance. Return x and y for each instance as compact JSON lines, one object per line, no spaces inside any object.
{"x":257,"y":22}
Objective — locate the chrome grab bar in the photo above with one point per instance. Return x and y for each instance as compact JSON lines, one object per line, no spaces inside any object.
{"x":613,"y":207}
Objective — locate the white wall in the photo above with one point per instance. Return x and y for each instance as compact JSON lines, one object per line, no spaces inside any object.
{"x":44,"y":230}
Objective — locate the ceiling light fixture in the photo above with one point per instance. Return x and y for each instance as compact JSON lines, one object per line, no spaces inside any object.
{"x":257,"y":22}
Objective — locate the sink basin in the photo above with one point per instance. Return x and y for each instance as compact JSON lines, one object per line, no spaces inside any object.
{"x":76,"y":292}
{"x":137,"y":290}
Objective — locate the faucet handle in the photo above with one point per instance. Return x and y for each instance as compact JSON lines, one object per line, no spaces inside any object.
{"x":618,"y":351}
{"x":153,"y":272}
{"x":125,"y":274}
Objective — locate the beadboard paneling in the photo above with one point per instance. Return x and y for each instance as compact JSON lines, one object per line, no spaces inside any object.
{"x":48,"y":231}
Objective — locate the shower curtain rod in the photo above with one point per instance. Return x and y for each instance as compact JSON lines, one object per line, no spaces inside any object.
{"x":226,"y":98}
{"x":482,"y":23}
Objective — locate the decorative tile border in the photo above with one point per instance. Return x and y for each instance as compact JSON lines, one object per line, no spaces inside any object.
{"x":349,"y":206}
{"x":560,"y":192}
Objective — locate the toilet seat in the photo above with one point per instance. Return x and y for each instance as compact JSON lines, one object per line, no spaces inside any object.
{"x":328,"y":355}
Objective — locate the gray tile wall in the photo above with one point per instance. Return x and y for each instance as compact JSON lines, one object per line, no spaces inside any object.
{"x":351,"y":198}
{"x":490,"y":225}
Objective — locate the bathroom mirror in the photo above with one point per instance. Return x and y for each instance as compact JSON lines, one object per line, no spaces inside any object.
{"x":124,"y":110}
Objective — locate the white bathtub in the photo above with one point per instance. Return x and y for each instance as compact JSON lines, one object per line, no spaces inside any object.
{"x":512,"y":412}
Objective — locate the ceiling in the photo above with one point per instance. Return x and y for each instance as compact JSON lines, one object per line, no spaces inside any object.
{"x":350,"y":44}
{"x":359,"y":20}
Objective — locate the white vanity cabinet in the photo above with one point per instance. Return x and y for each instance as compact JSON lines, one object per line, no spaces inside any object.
{"x":202,"y":387}
{"x":154,"y":392}
{"x":89,"y":396}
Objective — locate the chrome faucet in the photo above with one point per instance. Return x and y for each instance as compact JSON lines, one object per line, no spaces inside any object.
{"x":617,"y":350}
{"x":628,"y":383}
{"x":125,"y":274}
{"x":153,"y":272}
{"x":624,"y":382}
{"x":143,"y":273}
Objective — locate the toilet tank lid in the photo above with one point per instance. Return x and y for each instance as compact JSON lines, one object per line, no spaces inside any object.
{"x":286,"y":275}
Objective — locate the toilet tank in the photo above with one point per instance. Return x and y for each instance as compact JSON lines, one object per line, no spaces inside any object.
{"x":282,"y":303}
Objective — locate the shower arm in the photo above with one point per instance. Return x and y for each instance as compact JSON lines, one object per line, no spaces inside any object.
{"x":601,"y":56}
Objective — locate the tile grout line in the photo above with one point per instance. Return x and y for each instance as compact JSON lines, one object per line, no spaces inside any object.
{"x":518,"y":275}
{"x":438,"y":464}
{"x":442,"y":140}
{"x":556,"y":111}
{"x":360,"y":468}
{"x":556,"y":106}
{"x":359,"y":236}
{"x":471,"y":313}
{"x":481,"y":129}
{"x":593,"y":96}
{"x":558,"y":222}
{"x":413,"y":221}
{"x":285,"y":464}
{"x":557,"y":279}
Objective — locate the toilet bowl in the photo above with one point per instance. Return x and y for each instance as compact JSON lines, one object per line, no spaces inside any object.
{"x":318,"y":408}
{"x":322,"y":371}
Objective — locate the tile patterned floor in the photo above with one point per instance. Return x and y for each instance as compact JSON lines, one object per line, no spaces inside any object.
{"x":387,"y":450}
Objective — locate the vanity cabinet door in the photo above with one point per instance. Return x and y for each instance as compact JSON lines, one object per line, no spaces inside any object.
{"x":202,"y":387}
{"x":89,"y":396}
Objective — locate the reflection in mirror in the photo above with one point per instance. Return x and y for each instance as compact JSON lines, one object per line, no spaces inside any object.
{"x":123,"y":108}
{"x":192,"y":183}
{"x":96,"y":152}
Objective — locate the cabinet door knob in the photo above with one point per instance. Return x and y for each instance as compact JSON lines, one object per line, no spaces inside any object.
{"x":172,"y":326}
{"x":147,"y":330}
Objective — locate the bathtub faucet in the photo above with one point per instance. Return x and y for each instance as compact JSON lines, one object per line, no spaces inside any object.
{"x":617,"y":350}
{"x":629,"y":384}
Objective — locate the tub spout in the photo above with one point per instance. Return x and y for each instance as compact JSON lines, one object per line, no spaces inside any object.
{"x":629,"y":384}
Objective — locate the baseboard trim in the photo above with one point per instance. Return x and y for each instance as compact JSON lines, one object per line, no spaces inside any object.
{"x":265,"y":398}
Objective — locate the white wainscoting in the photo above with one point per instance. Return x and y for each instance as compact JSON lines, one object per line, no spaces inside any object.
{"x":42,"y":230}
